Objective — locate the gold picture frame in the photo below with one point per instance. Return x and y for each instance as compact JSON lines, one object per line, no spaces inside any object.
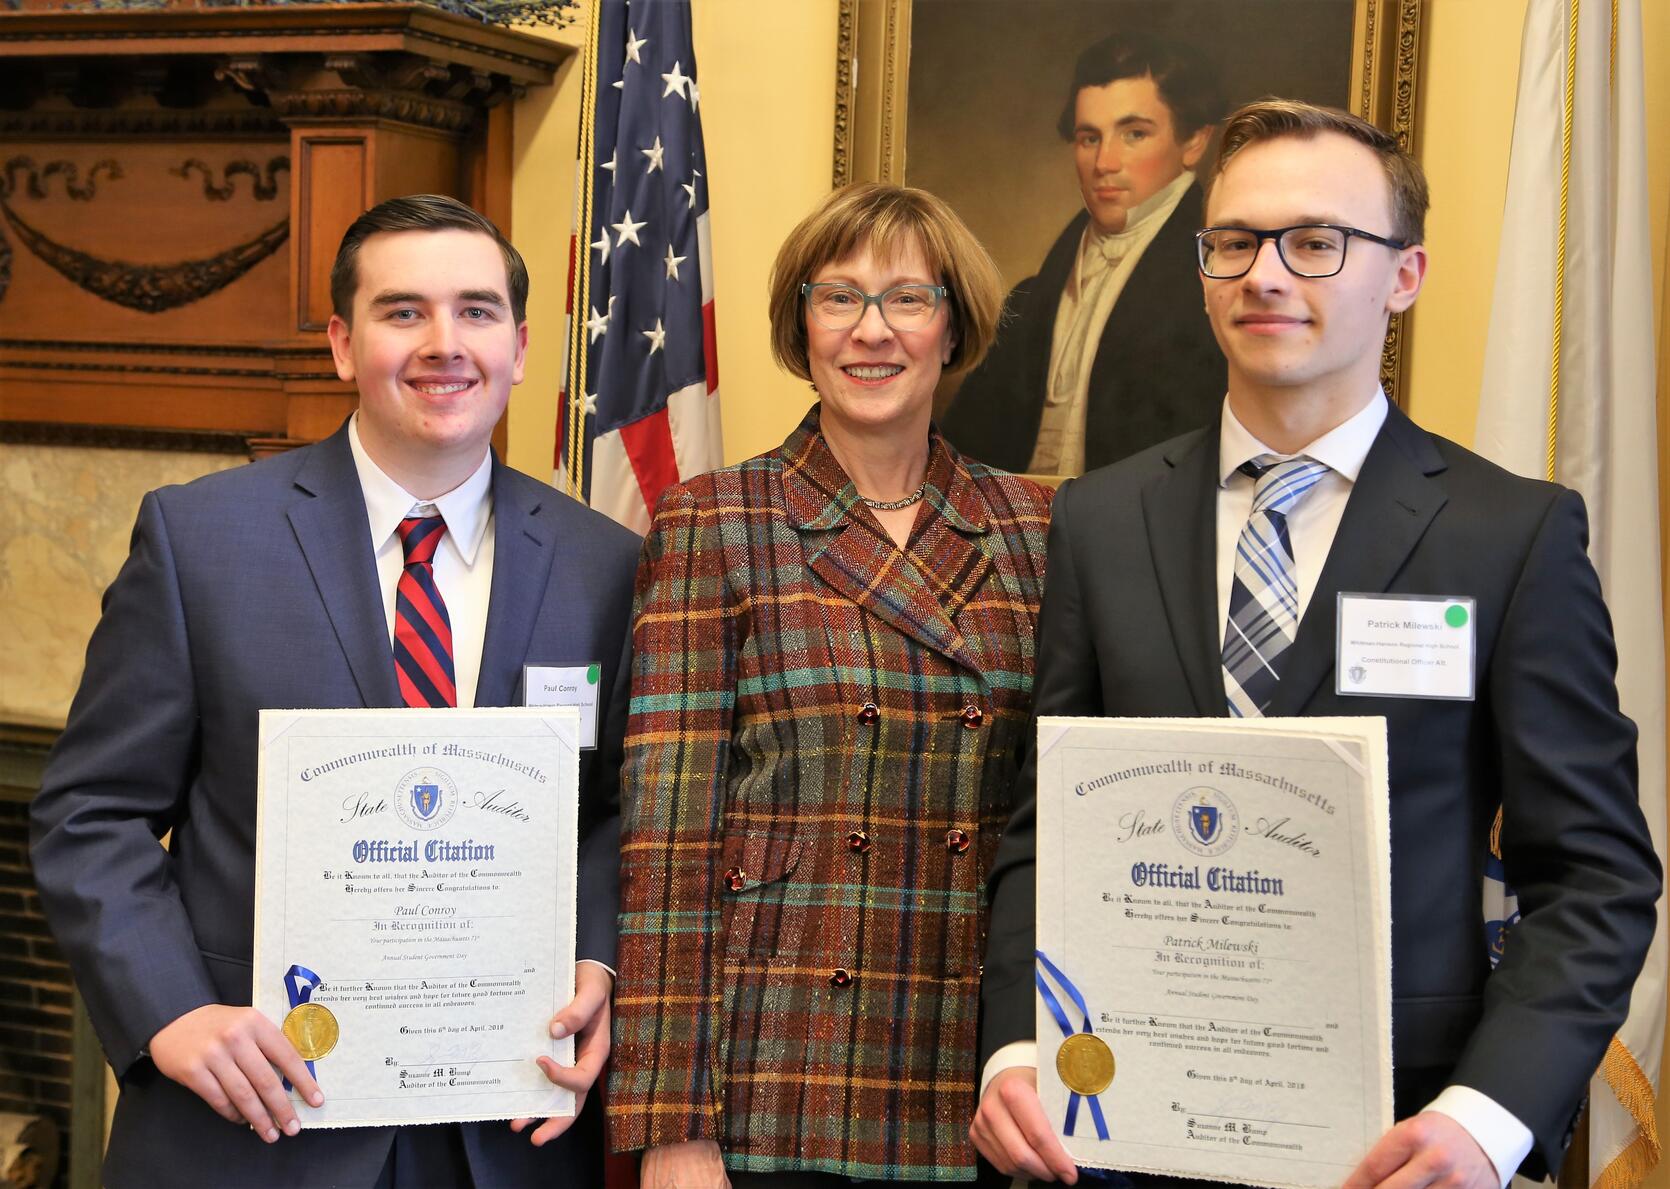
{"x":873,"y":101}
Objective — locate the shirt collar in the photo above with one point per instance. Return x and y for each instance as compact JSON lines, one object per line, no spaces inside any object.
{"x":465,"y":508}
{"x":1342,"y":448}
{"x":819,"y":496}
{"x":1146,"y":215}
{"x":1142,"y":225}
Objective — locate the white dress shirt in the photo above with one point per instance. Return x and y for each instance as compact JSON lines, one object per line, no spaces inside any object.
{"x":1103,"y":264}
{"x":1311,"y":527}
{"x":1312,"y":524}
{"x":463,"y":560}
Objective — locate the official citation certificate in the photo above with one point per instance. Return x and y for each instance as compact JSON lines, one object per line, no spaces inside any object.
{"x":1214,"y":953}
{"x":414,"y":920}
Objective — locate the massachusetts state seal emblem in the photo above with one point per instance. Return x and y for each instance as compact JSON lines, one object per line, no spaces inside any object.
{"x":425,"y":798}
{"x":1205,"y":821}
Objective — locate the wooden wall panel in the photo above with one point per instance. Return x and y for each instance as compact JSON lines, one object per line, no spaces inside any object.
{"x":160,"y":401}
{"x":174,"y":184}
{"x":114,"y":240}
{"x":333,"y":185}
{"x":416,"y":161}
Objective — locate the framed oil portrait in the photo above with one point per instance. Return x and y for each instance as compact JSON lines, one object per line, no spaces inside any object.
{"x":1104,"y":348}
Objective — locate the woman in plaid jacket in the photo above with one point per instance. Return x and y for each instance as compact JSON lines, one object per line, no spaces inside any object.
{"x":832,"y":671}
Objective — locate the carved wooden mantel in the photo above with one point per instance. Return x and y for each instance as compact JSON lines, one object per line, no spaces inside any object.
{"x":173,"y":185}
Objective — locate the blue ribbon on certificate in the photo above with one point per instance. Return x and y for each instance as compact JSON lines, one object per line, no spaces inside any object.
{"x":1067,"y":1030}
{"x":299,"y":982}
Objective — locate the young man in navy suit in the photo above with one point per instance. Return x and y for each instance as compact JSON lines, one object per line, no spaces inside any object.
{"x":274,"y":585}
{"x":1314,"y":240}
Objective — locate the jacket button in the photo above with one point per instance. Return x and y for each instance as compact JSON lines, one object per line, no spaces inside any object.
{"x":858,"y":842}
{"x":956,"y":841}
{"x":840,"y":978}
{"x":735,"y":880}
{"x":972,"y":716}
{"x":868,"y":713}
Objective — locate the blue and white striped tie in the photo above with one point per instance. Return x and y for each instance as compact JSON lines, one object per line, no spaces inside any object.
{"x":1264,"y":597}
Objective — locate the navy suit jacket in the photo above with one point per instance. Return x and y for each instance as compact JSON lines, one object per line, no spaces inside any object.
{"x":251,"y":588}
{"x":1157,"y":373}
{"x":1129,"y":627}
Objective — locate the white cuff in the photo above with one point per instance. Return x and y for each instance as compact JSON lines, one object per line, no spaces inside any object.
{"x":1493,"y":1127}
{"x":595,"y":962}
{"x":1020,"y":1052}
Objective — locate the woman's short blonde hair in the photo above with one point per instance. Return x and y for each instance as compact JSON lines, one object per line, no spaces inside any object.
{"x":887,"y":220}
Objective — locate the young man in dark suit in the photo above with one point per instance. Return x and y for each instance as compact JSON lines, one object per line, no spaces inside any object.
{"x":1314,"y":239}
{"x":275,"y":585}
{"x":1075,"y":377}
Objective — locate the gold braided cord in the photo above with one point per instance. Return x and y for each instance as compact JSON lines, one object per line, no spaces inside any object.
{"x":1635,"y":1094}
{"x":1612,"y":54}
{"x":585,"y":162}
{"x":1560,"y":255}
{"x":1496,"y":835}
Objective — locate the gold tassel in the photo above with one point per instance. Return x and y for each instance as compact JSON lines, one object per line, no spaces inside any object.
{"x":1635,"y":1094}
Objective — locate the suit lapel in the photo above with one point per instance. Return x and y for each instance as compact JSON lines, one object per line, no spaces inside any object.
{"x":948,"y":557}
{"x":855,"y":558}
{"x":522,"y":557}
{"x":1391,"y":505}
{"x":1046,"y":295}
{"x":335,"y":540}
{"x":1180,"y":509}
{"x":1164,"y":279}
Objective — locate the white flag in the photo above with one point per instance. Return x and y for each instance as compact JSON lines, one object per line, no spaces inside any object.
{"x":1569,"y":395}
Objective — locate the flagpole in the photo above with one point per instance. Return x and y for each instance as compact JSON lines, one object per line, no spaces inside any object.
{"x":1560,"y":248}
{"x":574,"y":420}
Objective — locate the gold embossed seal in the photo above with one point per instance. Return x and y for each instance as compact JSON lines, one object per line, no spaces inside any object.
{"x":1085,"y":1063}
{"x":312,"y":1029}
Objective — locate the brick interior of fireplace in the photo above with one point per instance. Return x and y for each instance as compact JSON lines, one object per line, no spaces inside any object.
{"x":35,"y":992}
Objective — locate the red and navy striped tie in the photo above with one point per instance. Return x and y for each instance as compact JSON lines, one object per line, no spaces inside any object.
{"x":422,"y":629}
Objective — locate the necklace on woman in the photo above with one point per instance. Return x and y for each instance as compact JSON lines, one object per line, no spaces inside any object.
{"x":894,"y":505}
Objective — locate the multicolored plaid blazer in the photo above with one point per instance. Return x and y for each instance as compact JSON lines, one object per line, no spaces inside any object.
{"x":818,"y":764}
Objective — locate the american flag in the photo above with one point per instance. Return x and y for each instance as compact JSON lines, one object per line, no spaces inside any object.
{"x":640,"y":408}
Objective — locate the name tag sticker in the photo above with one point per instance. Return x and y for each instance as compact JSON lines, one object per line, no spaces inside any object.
{"x":567,"y":685}
{"x":1404,"y":646}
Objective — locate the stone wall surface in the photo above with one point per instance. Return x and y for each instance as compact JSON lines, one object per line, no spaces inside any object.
{"x":66,"y":515}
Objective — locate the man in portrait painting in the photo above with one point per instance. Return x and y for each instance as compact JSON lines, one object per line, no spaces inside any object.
{"x":1107,"y":350}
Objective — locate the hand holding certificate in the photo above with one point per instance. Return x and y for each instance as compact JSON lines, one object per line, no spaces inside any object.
{"x":1213,"y":940}
{"x":415,"y":890}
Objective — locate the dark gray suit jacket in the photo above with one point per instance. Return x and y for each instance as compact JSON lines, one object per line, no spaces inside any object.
{"x":253,"y":588}
{"x":1129,"y":626}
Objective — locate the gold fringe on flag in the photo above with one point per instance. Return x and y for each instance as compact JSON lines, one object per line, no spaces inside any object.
{"x":1635,"y":1094}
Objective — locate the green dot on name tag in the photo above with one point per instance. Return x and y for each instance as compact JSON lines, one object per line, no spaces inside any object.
{"x":1455,"y":615}
{"x":594,"y":673}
